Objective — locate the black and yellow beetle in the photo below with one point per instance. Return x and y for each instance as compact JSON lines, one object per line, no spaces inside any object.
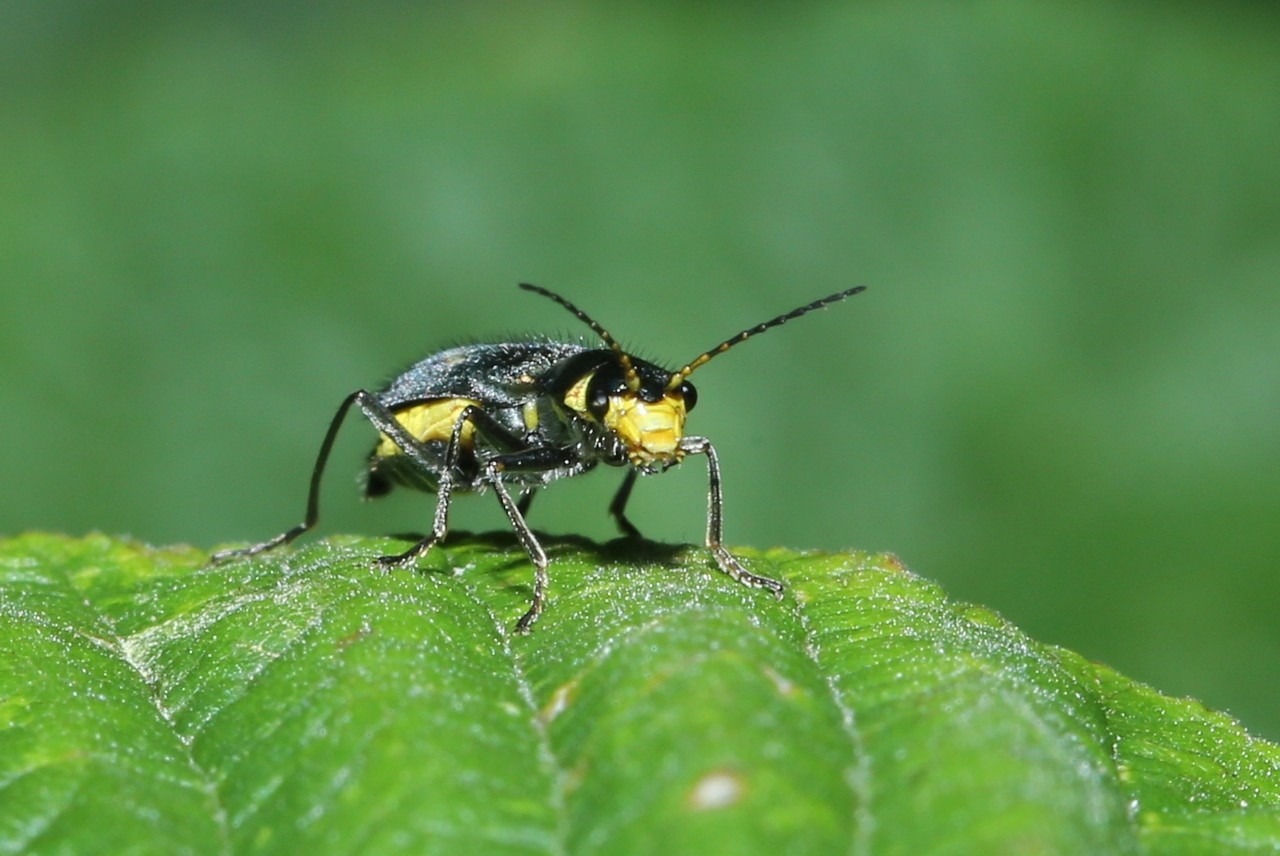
{"x":524,"y":414}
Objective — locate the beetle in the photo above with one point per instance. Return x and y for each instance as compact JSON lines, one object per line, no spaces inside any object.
{"x":525,"y":414}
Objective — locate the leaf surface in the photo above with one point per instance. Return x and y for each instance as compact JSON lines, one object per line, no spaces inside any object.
{"x":305,"y":702}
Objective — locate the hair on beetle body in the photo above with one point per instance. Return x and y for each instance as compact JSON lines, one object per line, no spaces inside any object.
{"x":521,"y":415}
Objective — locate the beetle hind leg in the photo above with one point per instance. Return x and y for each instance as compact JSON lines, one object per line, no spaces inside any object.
{"x":368,"y":403}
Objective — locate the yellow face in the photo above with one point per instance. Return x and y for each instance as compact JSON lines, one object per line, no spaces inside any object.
{"x":650,"y":430}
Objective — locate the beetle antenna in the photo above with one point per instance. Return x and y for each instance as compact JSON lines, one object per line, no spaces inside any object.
{"x":679,"y":377}
{"x":629,"y":370}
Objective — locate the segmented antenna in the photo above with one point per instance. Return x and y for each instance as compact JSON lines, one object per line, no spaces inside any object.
{"x":679,"y":377}
{"x":629,"y":370}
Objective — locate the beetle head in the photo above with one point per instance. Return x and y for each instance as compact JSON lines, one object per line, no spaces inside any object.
{"x":648,"y":420}
{"x":644,"y":405}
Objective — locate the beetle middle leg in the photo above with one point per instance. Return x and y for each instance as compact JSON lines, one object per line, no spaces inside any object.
{"x":485,"y":425}
{"x":529,"y":460}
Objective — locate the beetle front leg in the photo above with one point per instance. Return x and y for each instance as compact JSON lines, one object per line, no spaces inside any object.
{"x":618,"y":508}
{"x":715,"y":520}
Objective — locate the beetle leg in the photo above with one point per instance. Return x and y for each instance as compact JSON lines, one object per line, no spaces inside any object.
{"x":485,"y":425}
{"x":715,"y":520}
{"x":617,"y":508}
{"x":439,"y":528}
{"x":376,"y":413}
{"x":535,"y":460}
{"x":493,"y":475}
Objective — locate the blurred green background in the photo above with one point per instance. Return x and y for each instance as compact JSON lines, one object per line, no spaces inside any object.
{"x":1058,"y":397}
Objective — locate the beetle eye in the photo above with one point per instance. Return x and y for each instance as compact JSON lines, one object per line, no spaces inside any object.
{"x":690,"y":395}
{"x":598,"y":397}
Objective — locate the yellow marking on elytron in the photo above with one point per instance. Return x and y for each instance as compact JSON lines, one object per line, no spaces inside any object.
{"x":651,"y":430}
{"x":431,"y":420}
{"x":529,"y":413}
{"x":576,"y":397}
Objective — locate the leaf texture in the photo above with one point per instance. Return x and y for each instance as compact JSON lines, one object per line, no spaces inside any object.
{"x":305,"y":702}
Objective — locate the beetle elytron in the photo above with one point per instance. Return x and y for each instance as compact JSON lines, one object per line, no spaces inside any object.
{"x":524,"y":414}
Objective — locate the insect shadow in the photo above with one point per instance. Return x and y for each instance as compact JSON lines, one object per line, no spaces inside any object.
{"x":623,"y":550}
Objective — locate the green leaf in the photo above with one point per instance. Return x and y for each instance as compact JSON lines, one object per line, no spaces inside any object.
{"x":305,"y":702}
